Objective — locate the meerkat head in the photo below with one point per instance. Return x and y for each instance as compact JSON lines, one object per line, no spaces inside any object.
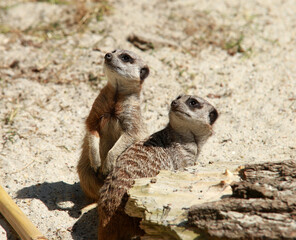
{"x":125,"y":68}
{"x":192,"y":114}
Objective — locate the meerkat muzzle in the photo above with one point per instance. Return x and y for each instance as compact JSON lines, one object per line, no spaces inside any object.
{"x":174,"y":104}
{"x":108,"y":57}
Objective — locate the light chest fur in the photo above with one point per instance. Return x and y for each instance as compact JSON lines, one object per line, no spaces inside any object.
{"x":109,"y":134}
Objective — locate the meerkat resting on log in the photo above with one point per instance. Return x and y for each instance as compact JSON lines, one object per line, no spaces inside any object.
{"x":175,"y":147}
{"x":114,"y":122}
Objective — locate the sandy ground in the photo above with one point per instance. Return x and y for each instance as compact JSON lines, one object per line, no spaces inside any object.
{"x":240,"y":55}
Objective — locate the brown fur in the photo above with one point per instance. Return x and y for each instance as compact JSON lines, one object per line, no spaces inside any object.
{"x":106,"y":109}
{"x":173,"y":148}
{"x":89,"y":181}
{"x":105,"y":106}
{"x":121,"y":227}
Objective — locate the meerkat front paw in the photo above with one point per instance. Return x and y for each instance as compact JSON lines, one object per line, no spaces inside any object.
{"x":109,"y":163}
{"x":95,"y":161}
{"x":94,"y":151}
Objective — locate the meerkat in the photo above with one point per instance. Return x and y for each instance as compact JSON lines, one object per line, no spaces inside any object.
{"x":115,"y":121}
{"x":175,"y":147}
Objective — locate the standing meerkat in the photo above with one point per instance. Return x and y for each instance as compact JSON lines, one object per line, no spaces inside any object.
{"x":114,"y":122}
{"x":175,"y":147}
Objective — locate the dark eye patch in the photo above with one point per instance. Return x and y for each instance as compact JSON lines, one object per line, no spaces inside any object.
{"x":126,"y":58}
{"x":193,"y":103}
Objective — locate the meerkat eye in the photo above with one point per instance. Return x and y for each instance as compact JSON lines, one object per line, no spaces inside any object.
{"x":194,"y":103}
{"x":126,"y":58}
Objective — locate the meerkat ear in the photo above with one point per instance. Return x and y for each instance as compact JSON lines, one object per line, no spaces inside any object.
{"x":144,"y":72}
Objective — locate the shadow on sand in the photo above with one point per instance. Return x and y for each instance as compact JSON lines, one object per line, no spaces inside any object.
{"x":62,"y":196}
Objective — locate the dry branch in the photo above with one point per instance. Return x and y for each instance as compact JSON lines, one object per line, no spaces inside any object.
{"x":17,"y":219}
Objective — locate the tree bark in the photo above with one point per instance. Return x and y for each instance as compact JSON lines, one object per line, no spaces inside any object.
{"x":262,"y":206}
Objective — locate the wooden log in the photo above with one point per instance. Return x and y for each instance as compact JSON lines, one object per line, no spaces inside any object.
{"x":163,"y":201}
{"x":262,"y":206}
{"x":17,"y":219}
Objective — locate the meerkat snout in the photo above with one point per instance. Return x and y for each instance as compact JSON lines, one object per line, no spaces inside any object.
{"x":108,"y":57}
{"x":174,"y":104}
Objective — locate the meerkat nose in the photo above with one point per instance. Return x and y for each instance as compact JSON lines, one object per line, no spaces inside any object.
{"x":213,"y":116}
{"x":174,"y":103}
{"x":108,"y":57}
